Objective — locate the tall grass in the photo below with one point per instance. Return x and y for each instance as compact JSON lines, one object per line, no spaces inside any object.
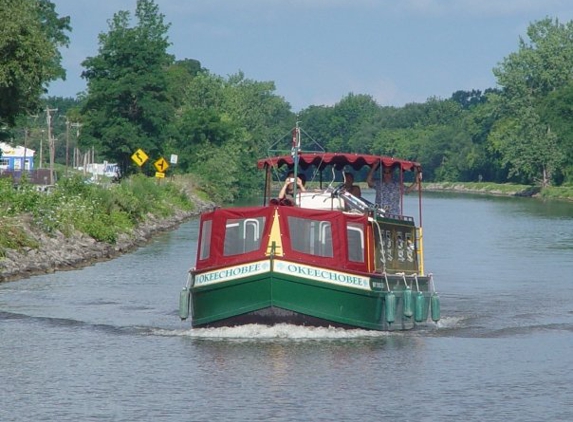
{"x":102,"y":212}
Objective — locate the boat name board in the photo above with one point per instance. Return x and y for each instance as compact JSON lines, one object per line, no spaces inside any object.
{"x":321,"y":274}
{"x":231,"y":273}
{"x":289,"y":268}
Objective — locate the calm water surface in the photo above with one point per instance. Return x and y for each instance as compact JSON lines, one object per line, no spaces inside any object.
{"x":105,"y":343}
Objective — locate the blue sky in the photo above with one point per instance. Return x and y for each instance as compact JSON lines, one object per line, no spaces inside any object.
{"x":318,"y":51}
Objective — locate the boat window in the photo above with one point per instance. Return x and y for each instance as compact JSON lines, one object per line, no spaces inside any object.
{"x":205,"y":239}
{"x":313,"y":237}
{"x":379,"y":247}
{"x":243,"y":235}
{"x":355,"y":235}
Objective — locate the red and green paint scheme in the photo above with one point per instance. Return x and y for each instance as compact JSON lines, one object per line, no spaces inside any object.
{"x":318,"y":262}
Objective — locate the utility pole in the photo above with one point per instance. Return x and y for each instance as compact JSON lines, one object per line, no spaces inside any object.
{"x":68,"y":125}
{"x":51,"y":141}
{"x":25,"y":150}
{"x":67,"y":143}
{"x":41,"y":149}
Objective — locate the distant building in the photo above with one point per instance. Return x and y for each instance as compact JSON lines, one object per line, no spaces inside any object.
{"x":16,"y":158}
{"x":18,"y":162}
{"x":104,"y":169}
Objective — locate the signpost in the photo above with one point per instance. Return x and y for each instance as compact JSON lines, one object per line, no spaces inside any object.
{"x":161,"y":166}
{"x":140,"y":157}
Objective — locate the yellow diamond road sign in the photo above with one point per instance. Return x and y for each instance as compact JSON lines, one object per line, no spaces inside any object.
{"x":161,"y":165}
{"x":139,"y":157}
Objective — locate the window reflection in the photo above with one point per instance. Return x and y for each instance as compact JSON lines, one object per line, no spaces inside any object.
{"x":313,"y":237}
{"x":205,"y":239}
{"x":355,"y":235}
{"x":243,"y":235}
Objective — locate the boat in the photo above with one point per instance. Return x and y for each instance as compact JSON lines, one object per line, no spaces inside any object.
{"x":327,"y":258}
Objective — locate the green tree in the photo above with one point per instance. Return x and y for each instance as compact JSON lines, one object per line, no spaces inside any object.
{"x":225,"y":125}
{"x":557,"y":110}
{"x":180,"y":74}
{"x":541,"y":65}
{"x":30,"y":35}
{"x":345,"y":127}
{"x":468,"y":99}
{"x":348,"y":116}
{"x":482,"y":162}
{"x":128,"y":105}
{"x":260,"y":116}
{"x":200,"y":122}
{"x":528,"y":147}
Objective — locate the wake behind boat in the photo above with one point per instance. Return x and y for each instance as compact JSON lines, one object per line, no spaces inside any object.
{"x":322,"y":258}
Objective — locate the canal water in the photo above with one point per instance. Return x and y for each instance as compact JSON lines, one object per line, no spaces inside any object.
{"x":105,"y":344}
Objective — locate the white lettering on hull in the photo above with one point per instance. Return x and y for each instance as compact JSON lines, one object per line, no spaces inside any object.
{"x":232,"y":273}
{"x":324,"y":275}
{"x":282,"y":267}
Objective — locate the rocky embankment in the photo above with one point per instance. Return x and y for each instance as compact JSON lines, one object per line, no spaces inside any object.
{"x":58,"y":252}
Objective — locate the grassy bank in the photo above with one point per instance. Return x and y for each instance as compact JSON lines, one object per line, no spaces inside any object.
{"x":102,"y":212}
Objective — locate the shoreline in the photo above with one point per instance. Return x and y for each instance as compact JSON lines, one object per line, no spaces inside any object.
{"x":60,"y":253}
{"x":484,"y":189}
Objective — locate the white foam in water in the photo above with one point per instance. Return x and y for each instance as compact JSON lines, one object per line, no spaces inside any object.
{"x":279,"y":331}
{"x":449,"y":322}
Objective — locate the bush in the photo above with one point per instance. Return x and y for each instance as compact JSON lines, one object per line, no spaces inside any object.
{"x":102,"y":212}
{"x":13,"y":236}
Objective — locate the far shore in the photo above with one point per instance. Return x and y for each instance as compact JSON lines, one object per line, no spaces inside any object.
{"x":506,"y":189}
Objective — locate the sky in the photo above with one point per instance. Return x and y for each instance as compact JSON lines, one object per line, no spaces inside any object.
{"x":319,"y":51}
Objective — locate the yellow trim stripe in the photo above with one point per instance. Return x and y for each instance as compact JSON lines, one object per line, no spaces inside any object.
{"x":275,"y":236}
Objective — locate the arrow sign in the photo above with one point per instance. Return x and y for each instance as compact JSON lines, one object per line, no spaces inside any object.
{"x":161,"y":165}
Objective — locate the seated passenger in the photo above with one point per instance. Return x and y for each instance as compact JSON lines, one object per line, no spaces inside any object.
{"x":287,"y":191}
{"x":349,"y":185}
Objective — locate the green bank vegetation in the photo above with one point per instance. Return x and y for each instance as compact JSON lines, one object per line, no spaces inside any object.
{"x":102,"y":212}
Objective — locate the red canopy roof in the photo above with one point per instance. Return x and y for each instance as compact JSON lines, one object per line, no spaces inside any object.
{"x":339,"y":160}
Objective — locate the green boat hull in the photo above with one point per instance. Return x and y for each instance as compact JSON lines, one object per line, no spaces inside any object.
{"x":274,"y":297}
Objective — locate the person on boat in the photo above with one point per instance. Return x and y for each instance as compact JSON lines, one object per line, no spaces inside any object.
{"x":349,"y":185}
{"x":287,"y":191}
{"x":387,"y":189}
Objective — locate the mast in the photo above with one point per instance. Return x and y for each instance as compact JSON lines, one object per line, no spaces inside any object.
{"x":295,"y":151}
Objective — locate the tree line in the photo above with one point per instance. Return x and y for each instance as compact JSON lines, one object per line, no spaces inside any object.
{"x":139,"y":96}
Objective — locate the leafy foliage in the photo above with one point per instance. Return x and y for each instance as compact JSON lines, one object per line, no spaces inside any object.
{"x":98,"y":211}
{"x":557,"y":110}
{"x":225,"y":125}
{"x":522,"y":136}
{"x":30,"y":35}
{"x":128,"y":106}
